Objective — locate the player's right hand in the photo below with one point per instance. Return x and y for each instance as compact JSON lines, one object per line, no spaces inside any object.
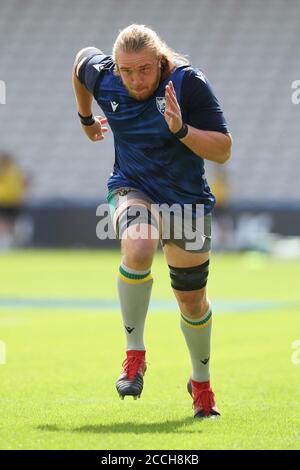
{"x":96,"y":131}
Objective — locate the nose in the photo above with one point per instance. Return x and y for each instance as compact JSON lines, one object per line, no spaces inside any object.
{"x":136,"y":81}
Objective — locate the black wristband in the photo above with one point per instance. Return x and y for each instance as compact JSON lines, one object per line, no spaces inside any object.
{"x":182,"y":132}
{"x":87,"y":120}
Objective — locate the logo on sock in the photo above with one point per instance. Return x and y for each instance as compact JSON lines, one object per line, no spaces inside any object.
{"x":130,"y":330}
{"x":205,"y":361}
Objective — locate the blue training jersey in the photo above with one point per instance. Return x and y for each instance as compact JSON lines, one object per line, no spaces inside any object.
{"x":147,"y":154}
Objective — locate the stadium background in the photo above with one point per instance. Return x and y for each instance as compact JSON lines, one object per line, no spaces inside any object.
{"x":61,"y":338}
{"x":249,"y":51}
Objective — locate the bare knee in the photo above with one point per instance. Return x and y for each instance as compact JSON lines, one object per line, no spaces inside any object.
{"x":193,"y":304}
{"x":138,"y":254}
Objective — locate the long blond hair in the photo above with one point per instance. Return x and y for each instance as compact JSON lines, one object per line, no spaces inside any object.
{"x":137,"y":37}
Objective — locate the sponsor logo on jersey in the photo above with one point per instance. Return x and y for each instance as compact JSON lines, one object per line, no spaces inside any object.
{"x":114,"y":105}
{"x":201,"y":76}
{"x":98,"y":67}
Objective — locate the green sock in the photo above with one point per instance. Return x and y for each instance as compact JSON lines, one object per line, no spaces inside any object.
{"x":197,"y":335}
{"x":134,"y":289}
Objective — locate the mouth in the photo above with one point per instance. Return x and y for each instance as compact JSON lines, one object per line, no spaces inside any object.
{"x":139,"y":93}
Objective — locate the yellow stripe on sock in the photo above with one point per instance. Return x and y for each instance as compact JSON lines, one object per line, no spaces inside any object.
{"x":135,"y":281}
{"x":191,"y":325}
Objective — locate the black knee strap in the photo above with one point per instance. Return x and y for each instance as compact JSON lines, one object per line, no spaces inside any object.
{"x":189,"y":278}
{"x":134,"y":214}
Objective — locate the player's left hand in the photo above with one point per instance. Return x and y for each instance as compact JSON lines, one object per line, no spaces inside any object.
{"x":173,"y":112}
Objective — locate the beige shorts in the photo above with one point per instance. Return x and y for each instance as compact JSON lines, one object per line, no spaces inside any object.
{"x":193,"y":235}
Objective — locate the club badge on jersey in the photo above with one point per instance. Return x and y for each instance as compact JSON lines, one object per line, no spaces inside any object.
{"x":161,"y":104}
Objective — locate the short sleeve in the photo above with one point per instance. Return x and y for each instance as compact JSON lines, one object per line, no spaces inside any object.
{"x":90,"y":70}
{"x":202,"y":106}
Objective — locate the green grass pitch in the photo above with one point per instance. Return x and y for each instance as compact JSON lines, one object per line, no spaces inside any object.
{"x":63,"y":339}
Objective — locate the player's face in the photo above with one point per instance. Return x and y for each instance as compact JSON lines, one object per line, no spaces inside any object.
{"x":140,"y":72}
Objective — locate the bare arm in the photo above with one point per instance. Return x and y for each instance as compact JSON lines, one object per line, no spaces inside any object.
{"x":211,"y":145}
{"x":214,"y":146}
{"x":83,"y":97}
{"x":84,"y":100}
